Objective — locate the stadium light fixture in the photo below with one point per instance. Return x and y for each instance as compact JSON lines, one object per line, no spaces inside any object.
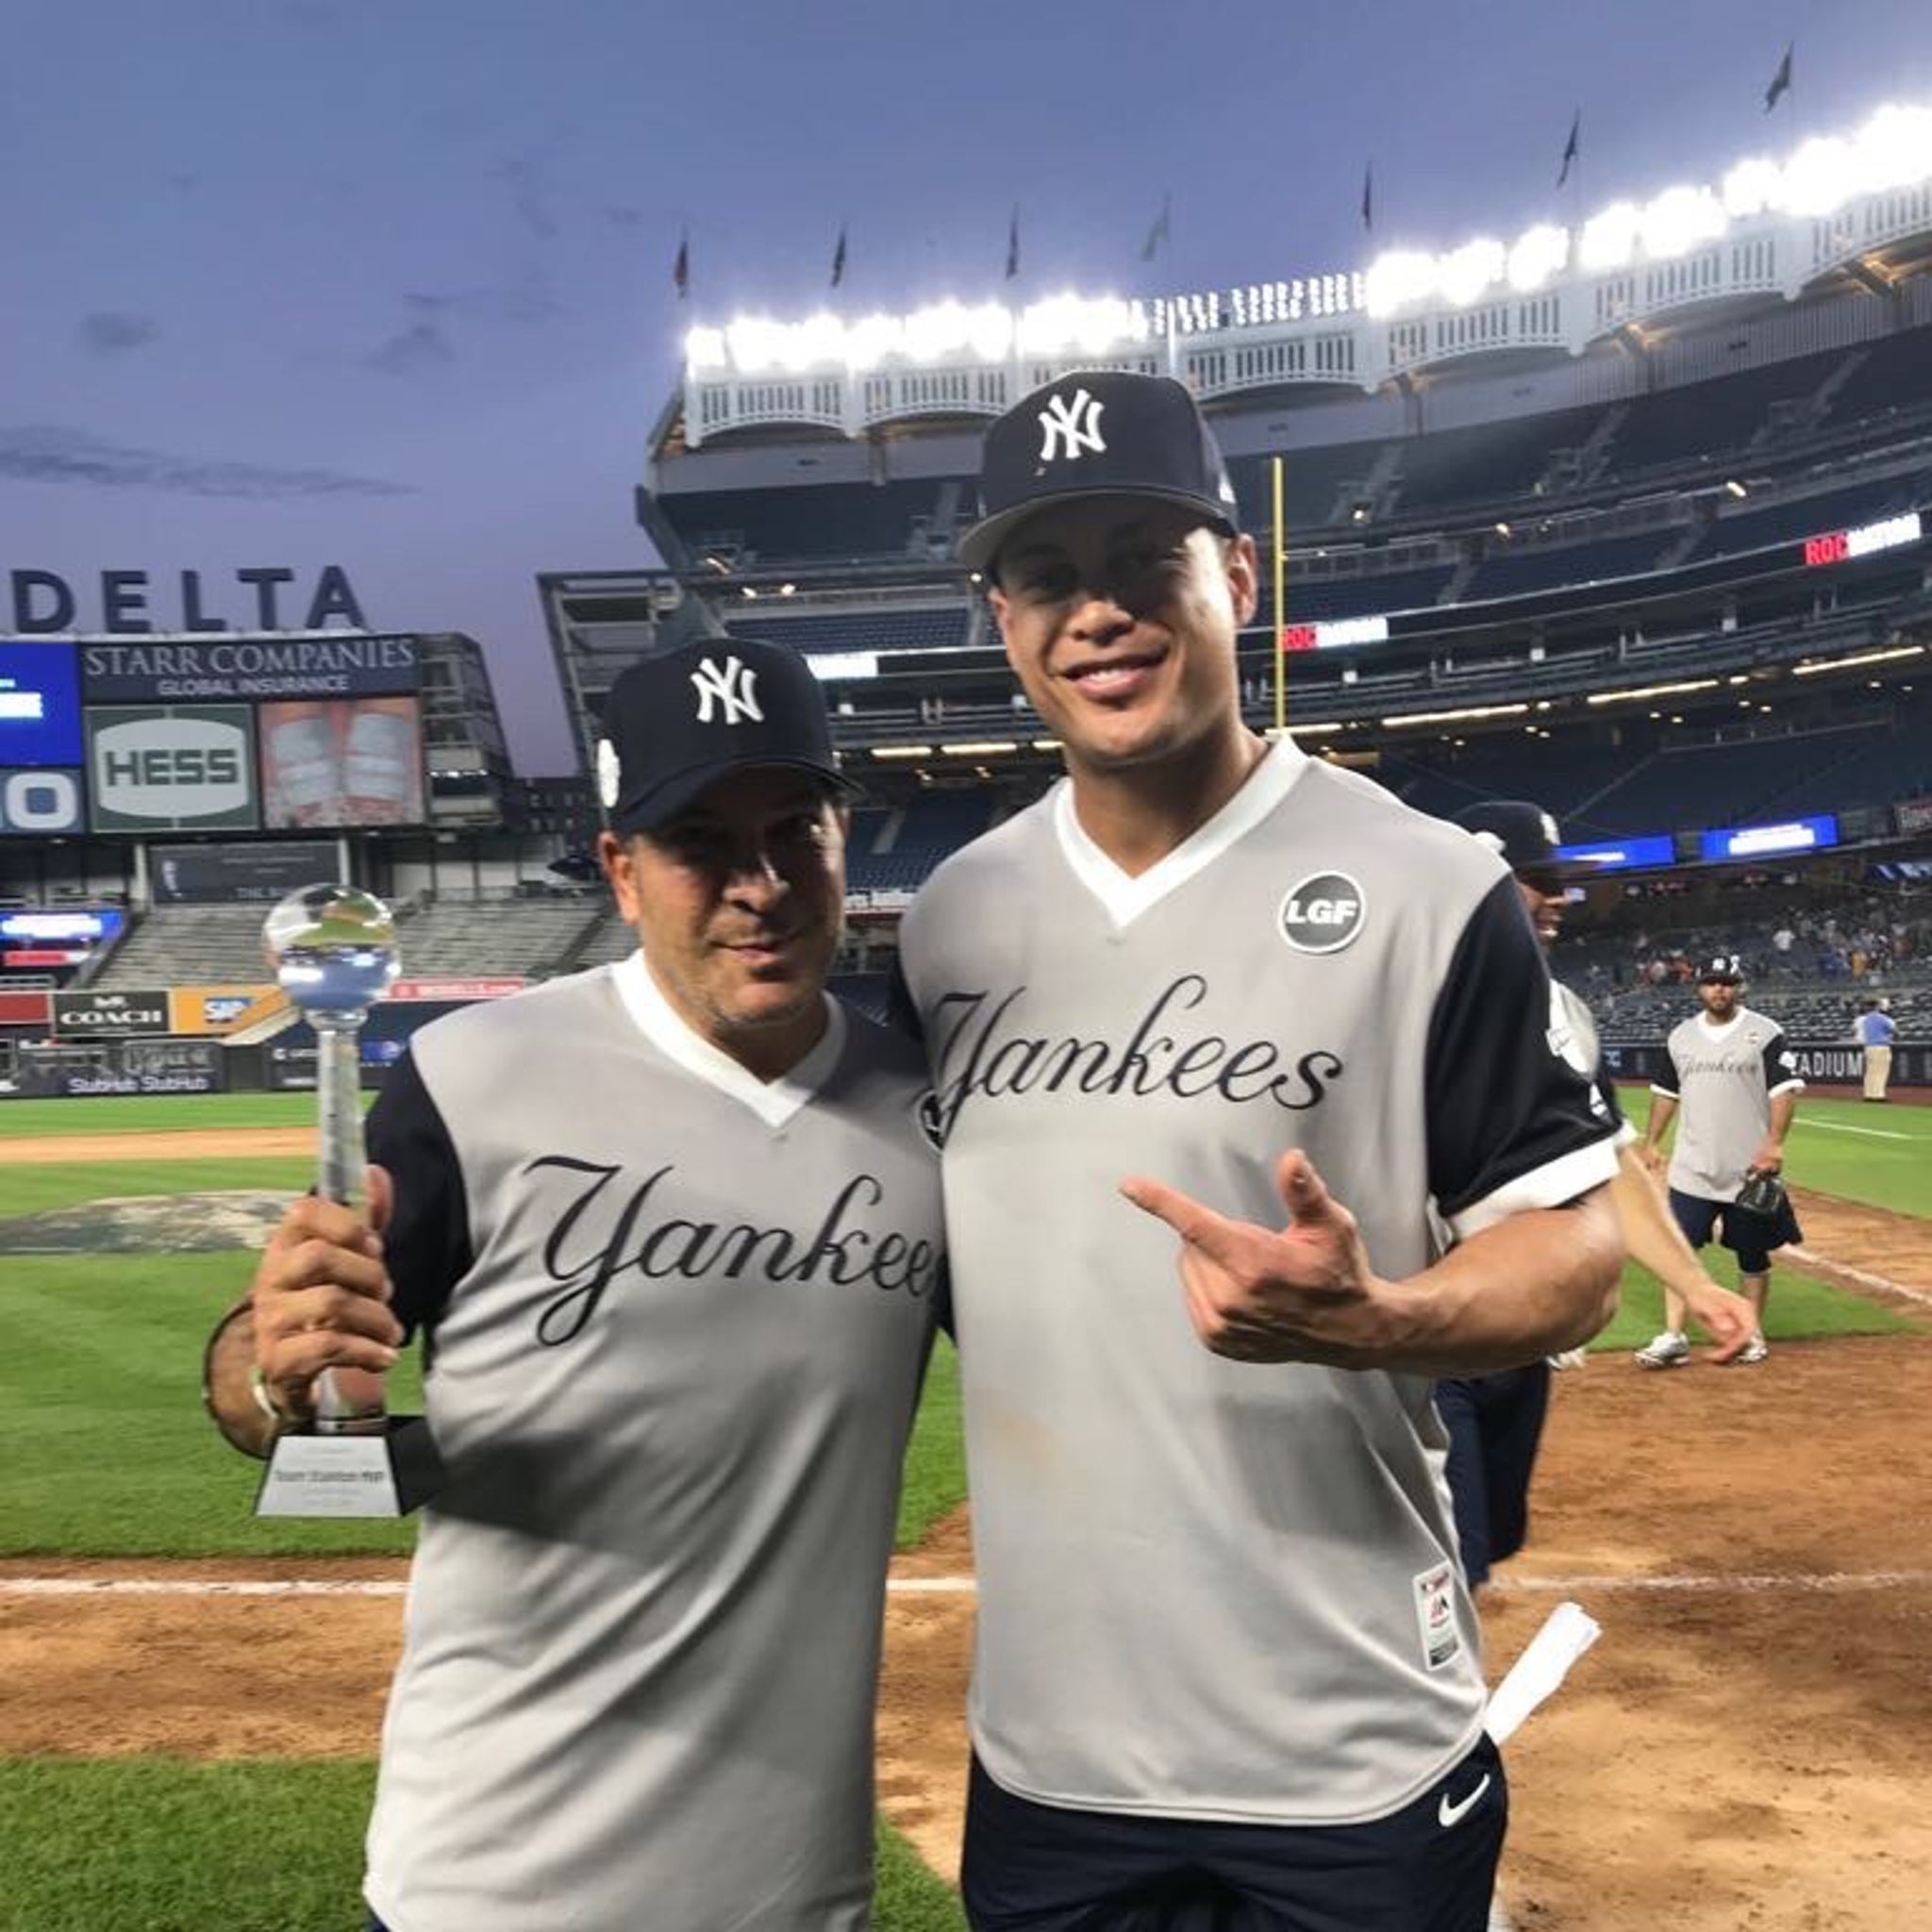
{"x":1609,"y":240}
{"x":1736,"y":489}
{"x":1540,"y":255}
{"x":1456,"y":717}
{"x":704,"y":349}
{"x":1893,"y":149}
{"x":1678,"y":220}
{"x":1641,"y":692}
{"x":1075,"y":324}
{"x":902,"y":751}
{"x":1817,"y":665}
{"x":979,"y":748}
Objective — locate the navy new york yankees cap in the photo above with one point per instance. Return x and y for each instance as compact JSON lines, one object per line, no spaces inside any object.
{"x":676,"y":723}
{"x":1097,"y":432}
{"x":1523,"y":834}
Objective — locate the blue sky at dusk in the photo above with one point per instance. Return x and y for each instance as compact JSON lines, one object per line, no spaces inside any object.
{"x":387,"y":283}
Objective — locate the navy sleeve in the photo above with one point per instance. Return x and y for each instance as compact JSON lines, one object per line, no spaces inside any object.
{"x":427,"y":1243}
{"x":1502,"y":1099}
{"x":1780,"y":1067}
{"x":1672,"y":1084}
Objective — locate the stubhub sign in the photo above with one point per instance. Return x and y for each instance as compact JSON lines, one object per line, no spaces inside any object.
{"x":173,"y":768}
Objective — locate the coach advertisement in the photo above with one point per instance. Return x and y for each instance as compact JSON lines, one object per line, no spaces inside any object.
{"x":356,"y":762}
{"x":77,"y":1070}
{"x":224,"y":874}
{"x":172,"y":768}
{"x":110,"y":1015}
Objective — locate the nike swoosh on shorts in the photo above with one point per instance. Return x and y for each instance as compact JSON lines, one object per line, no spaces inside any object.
{"x":1448,"y":1814}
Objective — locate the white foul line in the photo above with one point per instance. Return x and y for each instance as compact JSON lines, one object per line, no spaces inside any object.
{"x":323,"y":1585}
{"x":1780,"y":1580}
{"x":964,"y":1586}
{"x":1846,"y":1127}
{"x":1853,"y":1277}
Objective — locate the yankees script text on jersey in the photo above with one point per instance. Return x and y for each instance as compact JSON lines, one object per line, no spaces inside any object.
{"x":676,"y":1322}
{"x":1211,"y":1588}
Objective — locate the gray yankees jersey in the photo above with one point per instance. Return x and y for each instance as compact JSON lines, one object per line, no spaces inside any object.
{"x":1723,"y":1078}
{"x":1207,"y":1588}
{"x":676,"y":1322}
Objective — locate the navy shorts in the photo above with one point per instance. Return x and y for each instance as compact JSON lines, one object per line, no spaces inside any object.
{"x":1495,"y":1425}
{"x":1699,"y":1220}
{"x":1427,"y":1868}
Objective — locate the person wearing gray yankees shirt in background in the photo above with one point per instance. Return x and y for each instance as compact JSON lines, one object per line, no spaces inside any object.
{"x":1732,"y":1076}
{"x":1252,"y":1131}
{"x":671,"y":1232}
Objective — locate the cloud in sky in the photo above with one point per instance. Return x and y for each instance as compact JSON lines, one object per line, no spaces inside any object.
{"x":113,"y":332}
{"x":420,"y":346}
{"x":38,"y":453}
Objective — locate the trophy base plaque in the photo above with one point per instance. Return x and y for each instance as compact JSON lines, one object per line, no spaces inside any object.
{"x":386,"y":1472}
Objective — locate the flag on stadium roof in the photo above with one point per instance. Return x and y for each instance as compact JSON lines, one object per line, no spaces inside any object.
{"x":1369,"y":196}
{"x":1781,"y":80}
{"x":1571,"y":148}
{"x":839,"y":257}
{"x":1013,"y":243}
{"x":1159,"y":232}
{"x":680,"y":269}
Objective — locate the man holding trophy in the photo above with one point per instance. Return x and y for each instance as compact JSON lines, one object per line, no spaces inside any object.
{"x":673,"y":1244}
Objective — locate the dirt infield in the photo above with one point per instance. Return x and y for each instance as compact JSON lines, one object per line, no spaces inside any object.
{"x":1744,"y":1748}
{"x":177,"y":1144}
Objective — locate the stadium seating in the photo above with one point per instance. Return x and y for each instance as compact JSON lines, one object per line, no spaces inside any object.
{"x":906,"y":629}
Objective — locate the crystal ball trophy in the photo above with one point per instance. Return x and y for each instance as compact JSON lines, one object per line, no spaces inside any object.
{"x":334,"y":953}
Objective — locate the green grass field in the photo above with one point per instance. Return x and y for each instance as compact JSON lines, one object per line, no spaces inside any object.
{"x":103,"y":1452}
{"x":1881,"y":1155}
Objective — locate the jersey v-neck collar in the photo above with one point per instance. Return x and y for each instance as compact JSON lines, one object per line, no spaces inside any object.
{"x":1125,"y":896}
{"x":775,"y":1102}
{"x":1716,"y":1033}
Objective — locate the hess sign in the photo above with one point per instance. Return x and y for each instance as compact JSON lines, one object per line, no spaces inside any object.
{"x":1841,"y":546}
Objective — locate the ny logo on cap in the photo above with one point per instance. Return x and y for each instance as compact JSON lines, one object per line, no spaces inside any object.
{"x":1074,"y":425}
{"x":732,"y":686}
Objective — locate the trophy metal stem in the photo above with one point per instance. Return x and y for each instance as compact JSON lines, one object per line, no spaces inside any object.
{"x":334,"y":952}
{"x":339,"y":1099}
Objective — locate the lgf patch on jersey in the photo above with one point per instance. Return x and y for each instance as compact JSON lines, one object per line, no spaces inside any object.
{"x":1435,"y":1614}
{"x":1323,"y":913}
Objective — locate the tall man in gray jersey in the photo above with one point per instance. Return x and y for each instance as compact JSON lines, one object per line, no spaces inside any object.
{"x":1227,"y":1668}
{"x":1734,"y":1080}
{"x":671,"y":1232}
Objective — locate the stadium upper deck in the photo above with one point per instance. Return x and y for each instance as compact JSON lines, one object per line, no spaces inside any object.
{"x":1652,"y":486}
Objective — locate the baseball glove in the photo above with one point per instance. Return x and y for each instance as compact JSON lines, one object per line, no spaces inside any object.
{"x":1762,"y":1216}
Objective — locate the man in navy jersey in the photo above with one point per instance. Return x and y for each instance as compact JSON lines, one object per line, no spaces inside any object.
{"x":1495,"y":1422}
{"x":1252,"y":1131}
{"x":670,"y":1234}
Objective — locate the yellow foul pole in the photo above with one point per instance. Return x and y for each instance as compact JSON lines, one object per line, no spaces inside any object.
{"x":1280,"y":610}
